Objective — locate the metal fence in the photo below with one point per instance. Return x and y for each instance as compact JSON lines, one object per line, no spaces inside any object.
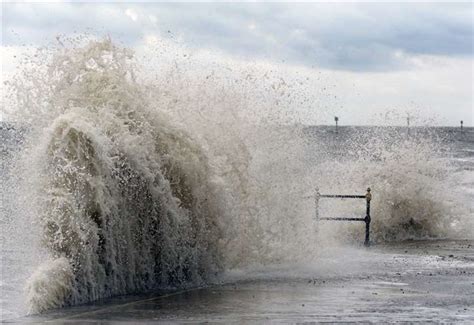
{"x":368,"y":197}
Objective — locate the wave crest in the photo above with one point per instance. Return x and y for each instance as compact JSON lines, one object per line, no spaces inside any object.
{"x":126,"y":196}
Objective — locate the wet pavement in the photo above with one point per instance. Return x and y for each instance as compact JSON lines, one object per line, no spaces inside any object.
{"x":420,"y":281}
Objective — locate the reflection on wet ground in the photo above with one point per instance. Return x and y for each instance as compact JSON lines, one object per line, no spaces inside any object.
{"x":425,"y":281}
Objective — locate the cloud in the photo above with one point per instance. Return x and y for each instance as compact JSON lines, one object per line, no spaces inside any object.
{"x":373,"y":56}
{"x":436,"y":91}
{"x":349,"y":36}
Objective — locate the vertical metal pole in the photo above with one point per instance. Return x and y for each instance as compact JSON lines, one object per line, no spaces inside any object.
{"x":316,"y":204}
{"x":462,"y":122}
{"x":316,"y":209}
{"x":368,"y":197}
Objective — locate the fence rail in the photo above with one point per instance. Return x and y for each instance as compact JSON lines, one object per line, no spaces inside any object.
{"x":344,"y":219}
{"x":341,"y":196}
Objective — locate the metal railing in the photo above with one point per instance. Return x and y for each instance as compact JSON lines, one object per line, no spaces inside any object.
{"x":367,"y":197}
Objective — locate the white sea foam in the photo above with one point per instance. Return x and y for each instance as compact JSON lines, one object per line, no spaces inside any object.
{"x":50,"y":285}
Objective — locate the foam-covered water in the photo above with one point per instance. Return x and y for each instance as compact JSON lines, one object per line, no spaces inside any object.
{"x":134,"y":177}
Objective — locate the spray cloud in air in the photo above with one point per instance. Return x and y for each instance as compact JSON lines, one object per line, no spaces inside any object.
{"x":140,"y":181}
{"x":162,"y":168}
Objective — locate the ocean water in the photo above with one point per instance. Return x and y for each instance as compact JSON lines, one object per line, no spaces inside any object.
{"x":116,"y":183}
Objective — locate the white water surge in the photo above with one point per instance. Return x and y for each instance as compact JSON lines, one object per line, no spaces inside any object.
{"x":137,"y":183}
{"x":126,"y":201}
{"x":124,"y":196}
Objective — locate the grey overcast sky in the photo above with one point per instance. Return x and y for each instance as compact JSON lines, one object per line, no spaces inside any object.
{"x":396,"y":54}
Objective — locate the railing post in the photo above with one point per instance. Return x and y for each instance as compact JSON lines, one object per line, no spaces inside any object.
{"x":316,"y":204}
{"x":316,"y":211}
{"x":368,"y":197}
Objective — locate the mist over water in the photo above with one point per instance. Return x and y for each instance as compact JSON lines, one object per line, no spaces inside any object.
{"x":138,"y":173}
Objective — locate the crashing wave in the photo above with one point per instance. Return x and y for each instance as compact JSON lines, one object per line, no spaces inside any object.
{"x":125,"y":195}
{"x":158,"y":184}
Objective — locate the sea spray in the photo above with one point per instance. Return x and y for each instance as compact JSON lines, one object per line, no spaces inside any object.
{"x":52,"y":285}
{"x":415,"y":196}
{"x":157,"y":176}
{"x":415,"y":192}
{"x":126,"y":198}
